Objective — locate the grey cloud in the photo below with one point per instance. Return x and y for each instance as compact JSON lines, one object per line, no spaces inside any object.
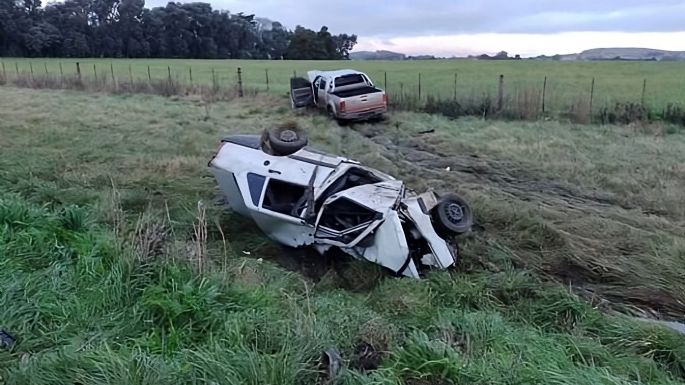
{"x":395,"y":18}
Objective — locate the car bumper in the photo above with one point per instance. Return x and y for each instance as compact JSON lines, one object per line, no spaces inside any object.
{"x":365,"y":114}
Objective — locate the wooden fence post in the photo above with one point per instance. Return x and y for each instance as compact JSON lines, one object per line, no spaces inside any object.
{"x":240,"y":83}
{"x":168,"y":68}
{"x":592,"y":96}
{"x":455,"y":85}
{"x":500,"y":93}
{"x":385,"y":80}
{"x":294,"y":73}
{"x":419,"y":86}
{"x":149,"y":75}
{"x":78,"y":71}
{"x":644,"y":92}
{"x":544,"y":93}
{"x":130,"y":77}
{"x":111,"y":70}
{"x":46,"y":67}
{"x":61,"y":71}
{"x":31,"y":69}
{"x":266,"y":73}
{"x":190,"y":75}
{"x":4,"y":72}
{"x":16,"y":67}
{"x":95,"y":72}
{"x":214,"y":83}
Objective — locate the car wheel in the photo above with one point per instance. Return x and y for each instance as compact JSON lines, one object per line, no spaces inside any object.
{"x":287,"y":140}
{"x":452,"y":214}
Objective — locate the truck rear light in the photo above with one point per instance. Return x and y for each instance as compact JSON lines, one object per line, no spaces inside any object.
{"x":385,"y":99}
{"x":341,"y":107}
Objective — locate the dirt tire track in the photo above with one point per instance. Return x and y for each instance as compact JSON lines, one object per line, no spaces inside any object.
{"x":572,"y":246}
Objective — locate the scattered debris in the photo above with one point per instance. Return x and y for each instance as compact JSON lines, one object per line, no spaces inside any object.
{"x":6,"y":340}
{"x":429,"y":131}
{"x":676,"y":326}
{"x":330,"y":365}
{"x":365,"y":357}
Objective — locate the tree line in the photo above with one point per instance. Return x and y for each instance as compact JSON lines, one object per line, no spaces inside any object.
{"x":126,"y":29}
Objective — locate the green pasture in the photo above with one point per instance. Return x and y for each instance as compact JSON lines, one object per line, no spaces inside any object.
{"x":567,"y":82}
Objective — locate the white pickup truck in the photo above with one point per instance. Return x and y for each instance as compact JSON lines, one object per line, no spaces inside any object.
{"x":344,"y":94}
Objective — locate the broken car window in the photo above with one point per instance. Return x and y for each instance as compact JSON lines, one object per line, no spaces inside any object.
{"x":284,"y":197}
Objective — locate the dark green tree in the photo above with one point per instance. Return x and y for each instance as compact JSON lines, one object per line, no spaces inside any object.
{"x":125,"y":28}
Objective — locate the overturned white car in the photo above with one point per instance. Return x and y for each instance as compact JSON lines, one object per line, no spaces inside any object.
{"x":302,"y":197}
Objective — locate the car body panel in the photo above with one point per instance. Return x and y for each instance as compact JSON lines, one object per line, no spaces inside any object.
{"x":442,"y":254}
{"x":390,"y":248}
{"x":380,"y":196}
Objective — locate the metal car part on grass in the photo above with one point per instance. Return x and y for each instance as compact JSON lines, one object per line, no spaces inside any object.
{"x":309,"y":198}
{"x":6,"y":340}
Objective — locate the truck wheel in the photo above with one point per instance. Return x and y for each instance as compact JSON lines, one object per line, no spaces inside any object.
{"x":452,"y":215}
{"x":341,"y":122}
{"x":287,"y":140}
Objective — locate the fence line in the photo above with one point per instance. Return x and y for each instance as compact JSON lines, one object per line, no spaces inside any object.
{"x":516,"y":102}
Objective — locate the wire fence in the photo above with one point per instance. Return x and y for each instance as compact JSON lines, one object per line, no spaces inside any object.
{"x":508,"y":99}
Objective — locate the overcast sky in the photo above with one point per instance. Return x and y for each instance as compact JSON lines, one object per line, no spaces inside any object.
{"x":455,"y":27}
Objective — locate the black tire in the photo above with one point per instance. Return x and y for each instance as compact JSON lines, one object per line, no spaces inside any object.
{"x":286,"y":141}
{"x":452,"y":215}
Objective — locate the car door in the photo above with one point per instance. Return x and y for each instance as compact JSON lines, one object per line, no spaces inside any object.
{"x":275,"y":198}
{"x":347,"y":218}
{"x":301,"y":92}
{"x":315,"y":89}
{"x":321,"y":92}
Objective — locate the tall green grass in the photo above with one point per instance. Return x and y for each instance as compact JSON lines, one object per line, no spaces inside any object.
{"x":84,"y":312}
{"x":87,"y":306}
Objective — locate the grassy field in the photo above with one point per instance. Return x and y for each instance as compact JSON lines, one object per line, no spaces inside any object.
{"x":101,"y":281}
{"x":568,"y":82}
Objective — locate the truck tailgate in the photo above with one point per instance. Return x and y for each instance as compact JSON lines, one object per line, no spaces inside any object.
{"x":364,"y":102}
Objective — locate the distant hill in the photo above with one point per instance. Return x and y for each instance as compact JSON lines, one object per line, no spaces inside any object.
{"x":591,"y":54}
{"x":378,"y":55}
{"x":631,"y":54}
{"x":618,"y":54}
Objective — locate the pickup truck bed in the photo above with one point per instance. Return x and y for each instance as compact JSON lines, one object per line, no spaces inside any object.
{"x":356,"y":92}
